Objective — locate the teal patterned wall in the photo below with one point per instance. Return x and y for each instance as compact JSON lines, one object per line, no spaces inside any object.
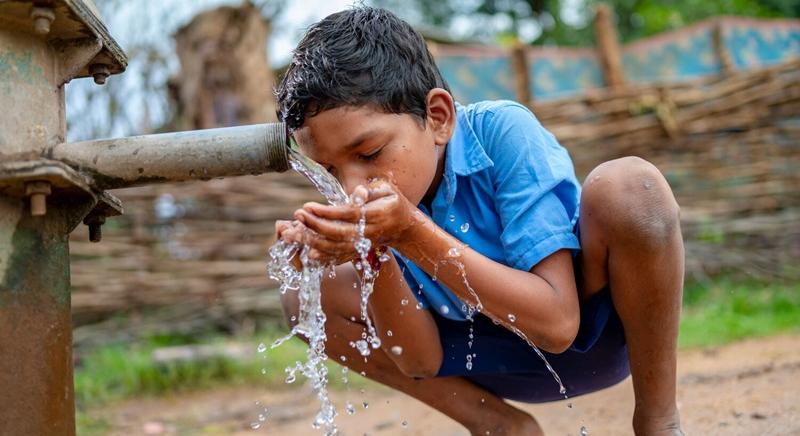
{"x":484,"y":73}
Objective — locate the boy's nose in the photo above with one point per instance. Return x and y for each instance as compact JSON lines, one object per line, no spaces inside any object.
{"x":351,"y":181}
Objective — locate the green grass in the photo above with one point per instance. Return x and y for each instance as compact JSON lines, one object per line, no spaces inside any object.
{"x":714,"y":313}
{"x":724,"y":311}
{"x":121,"y":371}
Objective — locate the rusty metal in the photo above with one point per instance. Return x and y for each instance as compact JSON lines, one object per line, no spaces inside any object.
{"x":43,"y":45}
{"x":95,"y":223}
{"x":42,"y":17}
{"x":175,"y":157}
{"x":38,"y":191}
{"x":39,"y":52}
{"x":100,"y":73}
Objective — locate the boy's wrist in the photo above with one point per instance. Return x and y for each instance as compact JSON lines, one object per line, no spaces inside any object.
{"x":420,"y":239}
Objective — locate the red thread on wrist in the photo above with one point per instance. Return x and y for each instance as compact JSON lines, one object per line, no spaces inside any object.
{"x":374,"y":257}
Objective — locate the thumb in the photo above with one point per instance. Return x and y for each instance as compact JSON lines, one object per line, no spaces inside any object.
{"x":359,"y":195}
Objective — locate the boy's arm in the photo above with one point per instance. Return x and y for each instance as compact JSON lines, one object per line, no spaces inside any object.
{"x":413,"y":329}
{"x":542,"y":303}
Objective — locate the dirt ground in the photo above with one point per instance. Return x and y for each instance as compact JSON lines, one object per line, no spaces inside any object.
{"x":748,"y":388}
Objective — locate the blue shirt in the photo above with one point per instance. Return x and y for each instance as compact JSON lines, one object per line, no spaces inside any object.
{"x":509,"y":192}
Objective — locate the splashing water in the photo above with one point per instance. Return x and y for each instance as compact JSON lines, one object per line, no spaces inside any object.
{"x":311,"y":318}
{"x":368,"y":276}
{"x":453,"y":258}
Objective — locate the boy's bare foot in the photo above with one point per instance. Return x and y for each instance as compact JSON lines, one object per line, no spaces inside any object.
{"x":668,"y":425}
{"x":516,"y":423}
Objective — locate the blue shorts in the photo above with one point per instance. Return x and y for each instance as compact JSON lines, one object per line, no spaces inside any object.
{"x":507,"y":366}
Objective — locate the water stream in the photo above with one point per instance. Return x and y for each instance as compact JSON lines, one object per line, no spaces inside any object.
{"x":311,"y":319}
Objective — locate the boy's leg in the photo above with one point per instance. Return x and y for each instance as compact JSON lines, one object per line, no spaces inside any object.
{"x":631,"y":240}
{"x":475,"y":408}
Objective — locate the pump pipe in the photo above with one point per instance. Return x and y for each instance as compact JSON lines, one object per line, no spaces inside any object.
{"x":174,"y":157}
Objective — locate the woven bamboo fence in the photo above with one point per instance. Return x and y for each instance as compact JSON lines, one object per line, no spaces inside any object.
{"x":729,"y":146}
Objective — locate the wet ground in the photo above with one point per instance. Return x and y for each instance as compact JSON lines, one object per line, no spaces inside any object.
{"x":747,"y":388}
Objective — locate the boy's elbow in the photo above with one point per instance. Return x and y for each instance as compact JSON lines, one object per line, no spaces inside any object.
{"x":563,"y":334}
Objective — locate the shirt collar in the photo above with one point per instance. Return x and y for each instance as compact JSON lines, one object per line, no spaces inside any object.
{"x":464,"y":155}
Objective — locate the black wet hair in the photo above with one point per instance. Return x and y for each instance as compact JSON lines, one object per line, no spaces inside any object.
{"x":357,"y":57}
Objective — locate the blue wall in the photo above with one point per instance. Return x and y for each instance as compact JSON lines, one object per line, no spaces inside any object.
{"x":485,"y":73}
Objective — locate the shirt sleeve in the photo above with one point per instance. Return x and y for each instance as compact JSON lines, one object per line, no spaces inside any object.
{"x":536,"y":192}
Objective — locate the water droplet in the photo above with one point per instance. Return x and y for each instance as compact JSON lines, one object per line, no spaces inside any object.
{"x":349,"y":408}
{"x":483,"y":400}
{"x":262,"y":347}
{"x":263,"y":370}
{"x":255,"y":425}
{"x":584,"y":432}
{"x":353,"y":319}
{"x":444,"y":309}
{"x":375,"y":342}
{"x":384,"y":258}
{"x":365,"y":404}
{"x":291,"y":378}
{"x":397,"y":350}
{"x":389,"y":333}
{"x":419,"y":306}
{"x":362,"y":347}
{"x":343,"y":358}
{"x":452,"y":218}
{"x":562,"y":390}
{"x":512,"y":317}
{"x":293,"y":318}
{"x":454,"y":252}
{"x":469,"y":366}
{"x":262,"y":417}
{"x":404,"y":424}
{"x":464,"y":228}
{"x":404,"y":302}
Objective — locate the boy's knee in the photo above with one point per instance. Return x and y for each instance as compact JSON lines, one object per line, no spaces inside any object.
{"x":423,"y":369}
{"x":631,"y":199}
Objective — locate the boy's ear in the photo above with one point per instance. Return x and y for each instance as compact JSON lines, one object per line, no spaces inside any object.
{"x":441,"y":115}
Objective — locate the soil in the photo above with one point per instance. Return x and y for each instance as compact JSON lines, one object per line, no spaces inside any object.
{"x":747,"y":388}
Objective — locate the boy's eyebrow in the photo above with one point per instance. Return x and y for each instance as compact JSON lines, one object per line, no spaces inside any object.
{"x":359,"y":139}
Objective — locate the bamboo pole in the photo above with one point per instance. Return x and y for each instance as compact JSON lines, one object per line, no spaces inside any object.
{"x":608,"y":47}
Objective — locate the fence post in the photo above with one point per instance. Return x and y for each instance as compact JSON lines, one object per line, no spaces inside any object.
{"x":519,"y":69}
{"x":720,"y":49}
{"x":608,"y":47}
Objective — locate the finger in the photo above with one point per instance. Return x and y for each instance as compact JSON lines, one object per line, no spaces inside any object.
{"x":347,"y":213}
{"x":281,"y":226}
{"x":378,"y":209}
{"x":331,"y":247}
{"x":335,"y":230}
{"x":359,"y":195}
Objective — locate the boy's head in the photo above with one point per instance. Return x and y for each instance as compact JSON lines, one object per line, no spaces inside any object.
{"x":363,"y":97}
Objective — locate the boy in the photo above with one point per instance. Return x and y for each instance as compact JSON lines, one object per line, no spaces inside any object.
{"x":364,"y":98}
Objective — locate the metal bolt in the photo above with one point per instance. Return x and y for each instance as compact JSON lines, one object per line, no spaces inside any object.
{"x":95,"y":223}
{"x":100,"y":72}
{"x":38,"y":192}
{"x":42,"y":17}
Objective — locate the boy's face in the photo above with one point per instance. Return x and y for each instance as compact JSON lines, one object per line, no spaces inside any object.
{"x":358,"y":144}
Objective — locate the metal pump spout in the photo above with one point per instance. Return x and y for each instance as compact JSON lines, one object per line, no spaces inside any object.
{"x":174,"y":157}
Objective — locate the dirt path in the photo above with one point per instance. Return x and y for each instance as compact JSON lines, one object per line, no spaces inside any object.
{"x":748,"y":388}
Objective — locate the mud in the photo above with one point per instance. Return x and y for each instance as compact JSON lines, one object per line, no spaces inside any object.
{"x":748,"y":388}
